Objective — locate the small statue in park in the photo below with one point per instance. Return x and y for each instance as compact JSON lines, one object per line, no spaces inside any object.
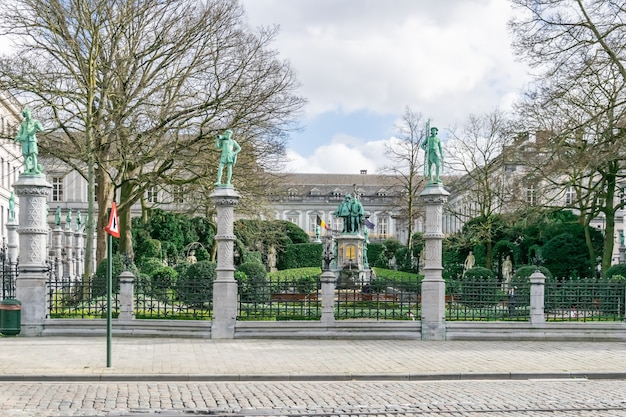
{"x":318,"y":231}
{"x":12,"y":206}
{"x":356,"y":215}
{"x":57,"y":216}
{"x":28,"y":138}
{"x":433,"y":156}
{"x":507,"y":272}
{"x":68,"y":220}
{"x":469,"y":263}
{"x":230,"y":148}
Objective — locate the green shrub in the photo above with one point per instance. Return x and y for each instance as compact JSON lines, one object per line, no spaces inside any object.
{"x":163,"y":281}
{"x":253,"y":282}
{"x":149,"y":265}
{"x":294,"y":273}
{"x":300,"y":256}
{"x":99,"y":279}
{"x":618,"y":269}
{"x":195,"y":286}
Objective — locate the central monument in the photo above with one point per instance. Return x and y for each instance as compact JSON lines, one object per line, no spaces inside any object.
{"x":350,"y":246}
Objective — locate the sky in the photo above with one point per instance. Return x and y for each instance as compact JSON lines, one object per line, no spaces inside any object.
{"x":361,"y":63}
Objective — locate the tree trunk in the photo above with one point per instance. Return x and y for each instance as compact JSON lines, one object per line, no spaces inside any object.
{"x":105,"y":193}
{"x":126,"y":237}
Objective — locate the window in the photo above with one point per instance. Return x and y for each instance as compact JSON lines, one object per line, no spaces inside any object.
{"x":152,"y":195}
{"x":177,"y":195}
{"x":531,"y":195}
{"x":293,"y":219}
{"x":569,"y":195}
{"x":509,"y":168}
{"x":57,"y":188}
{"x":337,"y":224}
{"x":383,"y":227}
{"x":312,"y":223}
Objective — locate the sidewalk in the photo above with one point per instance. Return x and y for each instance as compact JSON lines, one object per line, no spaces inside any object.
{"x":168,"y":359}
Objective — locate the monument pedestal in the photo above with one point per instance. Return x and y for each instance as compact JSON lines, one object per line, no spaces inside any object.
{"x":225,"y":199}
{"x":32,"y":191}
{"x":433,"y":316}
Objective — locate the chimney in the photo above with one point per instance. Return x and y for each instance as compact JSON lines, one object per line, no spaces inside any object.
{"x":364,"y":172}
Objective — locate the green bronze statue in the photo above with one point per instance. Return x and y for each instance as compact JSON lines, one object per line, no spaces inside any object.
{"x":230,"y":148}
{"x":433,"y":155}
{"x":28,"y":138}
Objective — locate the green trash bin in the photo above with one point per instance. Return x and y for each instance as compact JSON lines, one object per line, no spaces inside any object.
{"x":10,"y":317}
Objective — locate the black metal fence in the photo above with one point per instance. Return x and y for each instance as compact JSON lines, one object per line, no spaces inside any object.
{"x":486,"y":299}
{"x":9,"y":275}
{"x":587,"y":299}
{"x":300,"y":299}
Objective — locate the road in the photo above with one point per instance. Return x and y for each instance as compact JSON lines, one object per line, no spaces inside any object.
{"x":467,"y":398}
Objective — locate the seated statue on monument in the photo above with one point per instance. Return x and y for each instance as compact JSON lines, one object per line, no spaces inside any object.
{"x":28,"y":138}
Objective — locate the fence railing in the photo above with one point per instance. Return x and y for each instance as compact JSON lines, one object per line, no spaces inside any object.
{"x":587,"y":299}
{"x":300,"y":299}
{"x":486,"y":300}
{"x":8,"y":269}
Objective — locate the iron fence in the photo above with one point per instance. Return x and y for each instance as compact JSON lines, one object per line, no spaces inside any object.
{"x":300,"y":299}
{"x":280,"y":299}
{"x":486,"y":299}
{"x":381,"y":298}
{"x":588,"y":299}
{"x":185,"y":300}
{"x":9,"y":275}
{"x":74,"y":298}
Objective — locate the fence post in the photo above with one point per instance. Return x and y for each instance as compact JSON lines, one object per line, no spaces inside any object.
{"x":328,"y":297}
{"x":127,"y":299}
{"x":537,"y":294}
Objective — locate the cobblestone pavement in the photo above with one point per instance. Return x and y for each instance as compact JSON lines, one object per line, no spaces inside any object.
{"x":85,"y":357}
{"x":62,"y":376}
{"x":554,"y":398}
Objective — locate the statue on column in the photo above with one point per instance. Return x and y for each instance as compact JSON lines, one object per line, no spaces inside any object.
{"x":57,"y":216}
{"x":68,"y":220}
{"x":28,"y":138}
{"x":12,"y":206}
{"x":433,"y":155}
{"x":230,"y":148}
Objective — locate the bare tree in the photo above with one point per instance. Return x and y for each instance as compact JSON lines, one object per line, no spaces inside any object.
{"x":407,"y":162}
{"x":477,"y":153}
{"x":137,"y":91}
{"x":578,"y":48}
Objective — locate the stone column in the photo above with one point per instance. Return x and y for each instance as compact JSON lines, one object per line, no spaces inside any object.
{"x":328,"y":279}
{"x":68,"y":261}
{"x":32,"y":190}
{"x":57,"y":247}
{"x":433,"y":286}
{"x":225,"y":308}
{"x":537,"y":291}
{"x":78,"y":253}
{"x":12,"y":241}
{"x":127,"y":300}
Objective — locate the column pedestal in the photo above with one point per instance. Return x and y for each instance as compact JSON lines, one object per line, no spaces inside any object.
{"x":225,"y":309}
{"x":32,"y":190}
{"x":433,"y":317}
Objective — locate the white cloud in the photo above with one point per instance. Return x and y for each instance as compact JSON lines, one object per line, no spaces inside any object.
{"x":345,"y":154}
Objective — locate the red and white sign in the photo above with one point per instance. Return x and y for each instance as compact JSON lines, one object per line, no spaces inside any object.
{"x":113,"y":228}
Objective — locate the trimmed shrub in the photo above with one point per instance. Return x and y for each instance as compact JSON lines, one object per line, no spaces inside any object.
{"x":149,"y":265}
{"x":566,"y":257}
{"x":99,"y":279}
{"x":301,"y":255}
{"x":163,"y":281}
{"x":253,"y":283}
{"x":618,"y":269}
{"x":195,"y":286}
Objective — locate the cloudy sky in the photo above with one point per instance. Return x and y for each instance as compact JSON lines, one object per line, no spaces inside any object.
{"x":362,"y":62}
